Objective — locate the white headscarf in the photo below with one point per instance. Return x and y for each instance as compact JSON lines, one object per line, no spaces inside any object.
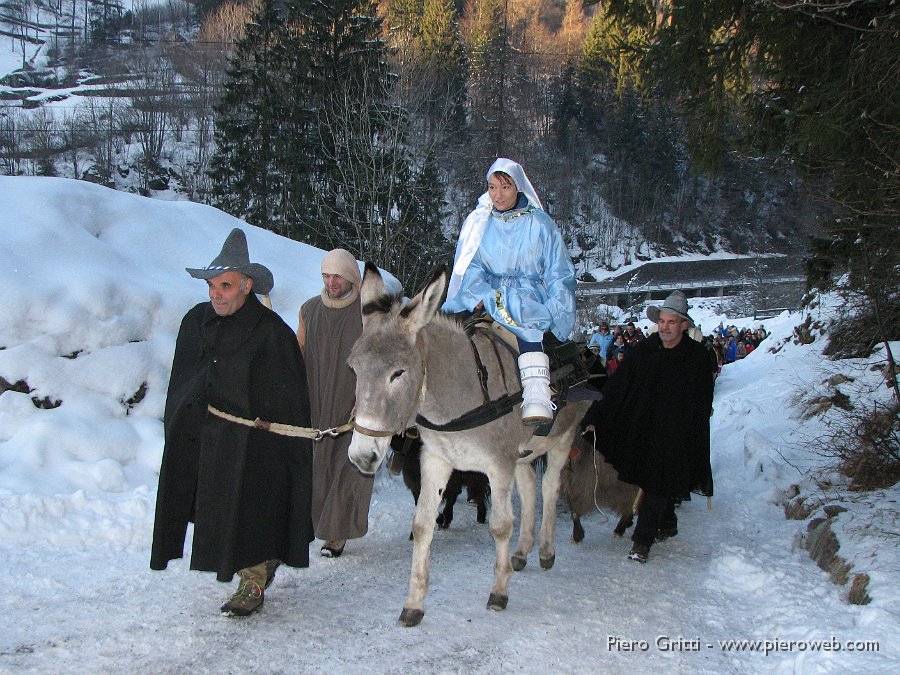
{"x":473,"y":228}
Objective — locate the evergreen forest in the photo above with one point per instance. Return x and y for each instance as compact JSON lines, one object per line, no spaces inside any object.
{"x":648,"y":127}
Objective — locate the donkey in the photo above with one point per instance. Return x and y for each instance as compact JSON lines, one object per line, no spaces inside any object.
{"x":416,"y":366}
{"x":588,"y":483}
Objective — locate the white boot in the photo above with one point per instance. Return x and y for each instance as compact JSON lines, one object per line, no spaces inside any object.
{"x":534,"y":369}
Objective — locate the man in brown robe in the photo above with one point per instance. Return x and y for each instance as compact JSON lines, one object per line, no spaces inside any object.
{"x":329,"y":325}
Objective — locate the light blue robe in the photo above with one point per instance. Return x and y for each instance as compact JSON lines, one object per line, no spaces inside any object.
{"x":522,"y":255}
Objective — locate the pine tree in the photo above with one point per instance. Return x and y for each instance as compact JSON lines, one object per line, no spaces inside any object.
{"x":257,"y":160}
{"x":442,"y":52}
{"x":308,"y":142}
{"x":489,"y":74}
{"x":298,"y":67}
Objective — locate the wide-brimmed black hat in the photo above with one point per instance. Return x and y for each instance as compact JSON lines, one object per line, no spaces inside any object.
{"x":236,"y":258}
{"x":676,"y":303}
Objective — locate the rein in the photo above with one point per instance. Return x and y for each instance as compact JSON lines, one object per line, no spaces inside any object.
{"x":282,"y":429}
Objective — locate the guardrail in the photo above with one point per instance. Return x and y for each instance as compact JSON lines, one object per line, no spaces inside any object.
{"x":772,"y":313}
{"x":602,"y":288}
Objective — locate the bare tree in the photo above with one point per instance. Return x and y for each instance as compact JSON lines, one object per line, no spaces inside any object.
{"x":105,"y":125}
{"x":201,"y":65}
{"x":39,"y":131}
{"x":155,"y":105}
{"x":11,"y":141}
{"x":374,"y":191}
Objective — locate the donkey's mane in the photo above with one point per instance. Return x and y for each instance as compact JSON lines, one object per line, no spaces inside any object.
{"x":381,"y":305}
{"x":386,"y":303}
{"x":449,"y":320}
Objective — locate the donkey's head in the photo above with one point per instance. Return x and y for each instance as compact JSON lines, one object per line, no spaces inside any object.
{"x":388,"y":363}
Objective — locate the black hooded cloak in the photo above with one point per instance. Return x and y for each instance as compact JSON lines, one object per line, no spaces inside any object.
{"x":247,"y":491}
{"x":653,"y":421}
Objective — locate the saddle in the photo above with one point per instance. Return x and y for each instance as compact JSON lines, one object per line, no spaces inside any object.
{"x":568,"y":370}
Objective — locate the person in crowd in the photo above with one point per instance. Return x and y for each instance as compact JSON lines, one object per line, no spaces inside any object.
{"x":632,"y":334}
{"x":618,"y":343}
{"x":618,"y":355}
{"x":731,"y":353}
{"x":329,"y":325}
{"x":719,"y":354}
{"x":601,"y":340}
{"x":247,"y":490}
{"x":654,"y":419}
{"x":512,"y":262}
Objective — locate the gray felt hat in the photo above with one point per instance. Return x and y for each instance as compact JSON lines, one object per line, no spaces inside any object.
{"x":236,"y":258}
{"x":676,"y":303}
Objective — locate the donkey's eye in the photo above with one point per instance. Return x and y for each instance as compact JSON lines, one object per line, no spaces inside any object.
{"x":396,"y":374}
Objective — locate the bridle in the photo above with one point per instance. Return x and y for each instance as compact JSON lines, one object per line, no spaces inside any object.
{"x":365,"y":431}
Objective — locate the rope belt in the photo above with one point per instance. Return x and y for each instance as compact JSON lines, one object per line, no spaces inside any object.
{"x":283,"y":429}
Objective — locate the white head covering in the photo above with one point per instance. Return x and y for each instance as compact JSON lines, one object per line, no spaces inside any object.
{"x":341,"y":262}
{"x":473,"y":228}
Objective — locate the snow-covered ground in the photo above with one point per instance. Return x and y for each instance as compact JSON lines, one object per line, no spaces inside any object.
{"x":94,"y":289}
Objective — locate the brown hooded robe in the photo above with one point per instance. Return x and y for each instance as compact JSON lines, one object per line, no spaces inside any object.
{"x":341,"y":494}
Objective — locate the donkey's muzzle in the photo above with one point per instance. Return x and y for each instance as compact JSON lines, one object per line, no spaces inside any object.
{"x":365,"y":452}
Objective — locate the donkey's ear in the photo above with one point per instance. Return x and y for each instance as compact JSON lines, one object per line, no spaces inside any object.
{"x":419,"y":311}
{"x":372,"y":288}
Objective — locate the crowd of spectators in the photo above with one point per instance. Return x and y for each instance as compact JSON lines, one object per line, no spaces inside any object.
{"x":731,"y":344}
{"x":726,"y":344}
{"x":610,"y":345}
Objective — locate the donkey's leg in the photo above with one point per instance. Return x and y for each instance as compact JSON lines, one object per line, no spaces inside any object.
{"x":435,"y":472}
{"x":556,"y":458}
{"x":526,"y":485}
{"x":501,"y":525}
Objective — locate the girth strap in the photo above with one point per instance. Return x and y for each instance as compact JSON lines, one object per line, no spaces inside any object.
{"x":487,"y":412}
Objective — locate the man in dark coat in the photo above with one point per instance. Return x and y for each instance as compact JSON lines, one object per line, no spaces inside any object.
{"x":329,"y":325}
{"x":654,"y":422}
{"x":246,"y":490}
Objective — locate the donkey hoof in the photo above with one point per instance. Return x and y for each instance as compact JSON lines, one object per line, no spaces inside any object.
{"x":411,"y":617}
{"x":497,"y":602}
{"x":518,"y":562}
{"x":547,"y":563}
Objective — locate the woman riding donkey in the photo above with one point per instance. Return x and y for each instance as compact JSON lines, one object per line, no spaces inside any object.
{"x":511,"y":261}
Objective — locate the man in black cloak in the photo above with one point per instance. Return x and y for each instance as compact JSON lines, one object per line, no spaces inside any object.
{"x":246,"y":490}
{"x":654,"y":422}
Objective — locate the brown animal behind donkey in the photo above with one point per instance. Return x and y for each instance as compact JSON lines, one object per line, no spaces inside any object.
{"x":588,"y":482}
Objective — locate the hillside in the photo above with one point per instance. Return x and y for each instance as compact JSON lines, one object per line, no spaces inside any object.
{"x":123,"y":96}
{"x":97,"y":287}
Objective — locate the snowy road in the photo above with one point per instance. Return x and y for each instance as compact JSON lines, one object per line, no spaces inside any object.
{"x":729,"y":575}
